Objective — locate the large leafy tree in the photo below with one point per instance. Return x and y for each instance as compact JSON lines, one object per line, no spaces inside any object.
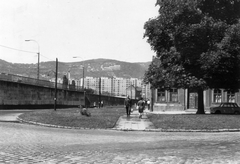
{"x":197,"y":45}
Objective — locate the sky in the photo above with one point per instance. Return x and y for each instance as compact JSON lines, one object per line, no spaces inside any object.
{"x":75,"y":30}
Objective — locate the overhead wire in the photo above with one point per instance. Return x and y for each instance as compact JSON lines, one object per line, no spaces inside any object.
{"x":28,"y":52}
{"x":25,"y":51}
{"x":17,"y":49}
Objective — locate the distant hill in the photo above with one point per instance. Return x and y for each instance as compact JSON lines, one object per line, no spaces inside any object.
{"x":93,"y":68}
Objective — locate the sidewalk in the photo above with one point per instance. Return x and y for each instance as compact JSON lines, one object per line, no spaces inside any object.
{"x":9,"y":117}
{"x":134,"y":122}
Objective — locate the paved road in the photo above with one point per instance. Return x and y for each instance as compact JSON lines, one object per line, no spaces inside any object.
{"x":23,"y":143}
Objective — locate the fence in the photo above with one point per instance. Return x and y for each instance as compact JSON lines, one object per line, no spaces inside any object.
{"x":36,"y":82}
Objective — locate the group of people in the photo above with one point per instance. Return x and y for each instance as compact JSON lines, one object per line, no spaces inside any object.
{"x":140,"y":106}
{"x":100,"y":104}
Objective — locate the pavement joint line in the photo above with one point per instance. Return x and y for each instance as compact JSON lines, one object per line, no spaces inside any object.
{"x":130,"y":129}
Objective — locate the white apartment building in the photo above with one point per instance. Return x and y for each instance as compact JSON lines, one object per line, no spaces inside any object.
{"x":90,"y":82}
{"x":115,"y":86}
{"x":119,"y":86}
{"x":106,"y":84}
{"x":94,"y":83}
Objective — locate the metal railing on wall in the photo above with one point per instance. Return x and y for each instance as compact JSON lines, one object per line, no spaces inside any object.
{"x":36,"y":82}
{"x":44,"y":83}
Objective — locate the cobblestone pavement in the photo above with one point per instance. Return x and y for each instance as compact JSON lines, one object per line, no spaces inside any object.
{"x":22,"y":143}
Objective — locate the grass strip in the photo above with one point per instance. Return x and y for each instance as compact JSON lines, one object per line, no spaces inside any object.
{"x":101,"y":118}
{"x":195,"y":121}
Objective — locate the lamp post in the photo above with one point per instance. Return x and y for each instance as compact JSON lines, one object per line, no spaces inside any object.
{"x":55,"y":95}
{"x":38,"y":53}
{"x":99,"y":98}
{"x":112,"y":86}
{"x":83,"y":78}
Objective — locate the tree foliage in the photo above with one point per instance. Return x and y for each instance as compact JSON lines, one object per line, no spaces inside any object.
{"x":196,"y":43}
{"x":65,"y":82}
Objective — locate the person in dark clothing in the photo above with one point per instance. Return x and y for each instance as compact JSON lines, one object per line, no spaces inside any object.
{"x":141,"y":106}
{"x":99,"y":104}
{"x":128,"y":105}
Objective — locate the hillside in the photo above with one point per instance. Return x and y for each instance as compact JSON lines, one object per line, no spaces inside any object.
{"x":93,"y":68}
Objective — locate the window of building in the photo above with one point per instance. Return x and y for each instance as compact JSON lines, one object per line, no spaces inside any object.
{"x":161,"y":97}
{"x":230,"y":96}
{"x":217,"y":96}
{"x":173,"y":95}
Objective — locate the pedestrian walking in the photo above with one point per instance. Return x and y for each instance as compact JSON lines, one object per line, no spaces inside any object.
{"x":128,"y":105}
{"x":148,"y":104}
{"x":141,"y":106}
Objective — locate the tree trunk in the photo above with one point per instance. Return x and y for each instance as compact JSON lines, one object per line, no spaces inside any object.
{"x":200,"y":102}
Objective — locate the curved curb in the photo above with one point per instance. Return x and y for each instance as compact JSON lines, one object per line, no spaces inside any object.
{"x":57,"y":126}
{"x":120,"y":129}
{"x":181,"y":130}
{"x":193,"y":130}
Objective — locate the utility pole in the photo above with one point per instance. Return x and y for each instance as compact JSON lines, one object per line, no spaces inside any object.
{"x":83,"y":78}
{"x":112,"y":86}
{"x":152,"y":97}
{"x":99,"y":99}
{"x":152,"y":90}
{"x":38,"y":67}
{"x":56,"y":73}
{"x":84,"y":92}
